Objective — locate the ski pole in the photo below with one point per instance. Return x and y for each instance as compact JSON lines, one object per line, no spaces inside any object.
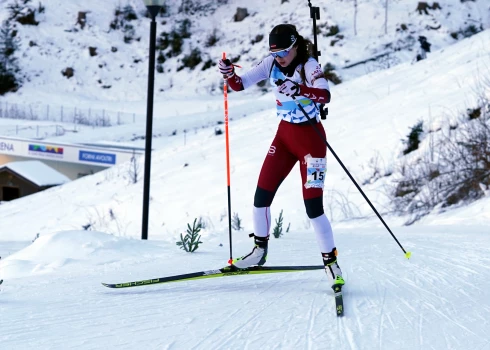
{"x":225,"y":95}
{"x":407,"y":254}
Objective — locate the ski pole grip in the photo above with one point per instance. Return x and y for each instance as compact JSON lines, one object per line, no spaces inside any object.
{"x":224,"y":58}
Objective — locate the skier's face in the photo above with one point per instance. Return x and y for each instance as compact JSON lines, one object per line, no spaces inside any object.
{"x":286,"y":60}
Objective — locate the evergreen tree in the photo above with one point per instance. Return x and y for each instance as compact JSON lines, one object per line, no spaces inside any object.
{"x":8,"y":63}
{"x":277,"y":231}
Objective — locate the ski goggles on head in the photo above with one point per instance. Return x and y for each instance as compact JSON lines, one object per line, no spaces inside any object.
{"x":282,"y":53}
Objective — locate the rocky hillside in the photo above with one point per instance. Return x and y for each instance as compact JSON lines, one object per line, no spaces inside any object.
{"x":94,"y":50}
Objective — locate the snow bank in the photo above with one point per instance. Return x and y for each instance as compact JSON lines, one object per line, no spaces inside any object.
{"x":80,"y":248}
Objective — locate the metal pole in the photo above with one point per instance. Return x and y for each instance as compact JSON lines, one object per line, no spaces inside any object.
{"x":149,"y":120}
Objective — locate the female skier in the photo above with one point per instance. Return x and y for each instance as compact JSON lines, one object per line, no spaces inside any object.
{"x":294,"y":75}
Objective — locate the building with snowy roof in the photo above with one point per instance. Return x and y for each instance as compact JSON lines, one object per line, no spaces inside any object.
{"x":20,"y":179}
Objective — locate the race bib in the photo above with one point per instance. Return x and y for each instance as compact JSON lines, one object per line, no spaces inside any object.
{"x":316,"y":169}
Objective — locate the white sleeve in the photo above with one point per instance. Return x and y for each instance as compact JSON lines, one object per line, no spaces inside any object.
{"x":314,"y":75}
{"x":258,"y":73}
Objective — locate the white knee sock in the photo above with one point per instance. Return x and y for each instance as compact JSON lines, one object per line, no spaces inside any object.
{"x":262,"y":221}
{"x":324,"y":234}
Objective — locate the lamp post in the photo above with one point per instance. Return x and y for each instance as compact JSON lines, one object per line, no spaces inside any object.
{"x":153,"y":7}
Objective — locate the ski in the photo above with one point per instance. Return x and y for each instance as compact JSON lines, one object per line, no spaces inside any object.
{"x":223,"y":272}
{"x":339,"y":301}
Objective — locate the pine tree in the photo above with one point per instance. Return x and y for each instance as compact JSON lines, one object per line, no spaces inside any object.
{"x":8,"y":63}
{"x":190,"y":242}
{"x":277,"y":231}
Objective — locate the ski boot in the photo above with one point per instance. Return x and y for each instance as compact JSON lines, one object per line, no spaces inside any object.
{"x":332,"y":269}
{"x":256,"y":257}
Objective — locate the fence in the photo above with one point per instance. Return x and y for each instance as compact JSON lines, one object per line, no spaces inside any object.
{"x":89,"y":117}
{"x":33,"y":131}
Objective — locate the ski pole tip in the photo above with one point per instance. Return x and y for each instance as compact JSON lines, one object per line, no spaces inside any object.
{"x":408,"y":255}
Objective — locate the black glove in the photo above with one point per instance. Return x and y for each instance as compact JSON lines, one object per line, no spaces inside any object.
{"x":288,"y":88}
{"x":226,"y":68}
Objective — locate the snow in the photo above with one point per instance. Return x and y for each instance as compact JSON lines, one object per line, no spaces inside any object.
{"x":37,"y":172}
{"x":51,"y":297}
{"x":60,"y":43}
{"x":53,"y":251}
{"x":439,"y":299}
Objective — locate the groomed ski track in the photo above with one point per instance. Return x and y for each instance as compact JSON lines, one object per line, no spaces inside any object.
{"x":439,"y":299}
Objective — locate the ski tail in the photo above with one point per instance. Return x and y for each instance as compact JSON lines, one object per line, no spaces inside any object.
{"x":339,"y":299}
{"x":223,"y":272}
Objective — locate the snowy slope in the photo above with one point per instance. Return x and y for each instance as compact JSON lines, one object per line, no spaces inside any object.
{"x":378,"y":104}
{"x":438,"y":300}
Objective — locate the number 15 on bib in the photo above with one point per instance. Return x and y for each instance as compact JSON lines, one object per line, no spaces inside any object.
{"x":316,"y":169}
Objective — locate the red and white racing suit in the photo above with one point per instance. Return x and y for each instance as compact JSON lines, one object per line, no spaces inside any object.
{"x":295,"y":140}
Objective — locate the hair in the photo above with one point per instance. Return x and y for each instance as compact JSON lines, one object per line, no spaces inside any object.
{"x":304,"y":47}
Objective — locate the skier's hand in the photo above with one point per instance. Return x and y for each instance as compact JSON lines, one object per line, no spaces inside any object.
{"x":289,"y":88}
{"x":226,"y":68}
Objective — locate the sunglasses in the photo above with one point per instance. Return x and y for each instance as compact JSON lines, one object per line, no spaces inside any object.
{"x":282,"y":53}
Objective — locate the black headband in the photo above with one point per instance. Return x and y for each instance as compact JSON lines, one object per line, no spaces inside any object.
{"x":281,"y":41}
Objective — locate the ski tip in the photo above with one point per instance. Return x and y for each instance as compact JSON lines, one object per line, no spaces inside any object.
{"x":408,"y":255}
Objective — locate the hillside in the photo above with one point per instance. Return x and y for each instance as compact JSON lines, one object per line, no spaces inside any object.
{"x":109,"y":54}
{"x":369,"y":117}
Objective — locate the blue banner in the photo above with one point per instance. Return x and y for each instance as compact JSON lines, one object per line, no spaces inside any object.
{"x":97,"y":157}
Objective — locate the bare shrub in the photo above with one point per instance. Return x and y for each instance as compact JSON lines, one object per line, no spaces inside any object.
{"x":212,"y":38}
{"x":468,"y":156}
{"x":134,"y":170}
{"x":377,"y":169}
{"x":236,"y":222}
{"x":104,"y":222}
{"x":460,"y":174}
{"x":339,"y":207}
